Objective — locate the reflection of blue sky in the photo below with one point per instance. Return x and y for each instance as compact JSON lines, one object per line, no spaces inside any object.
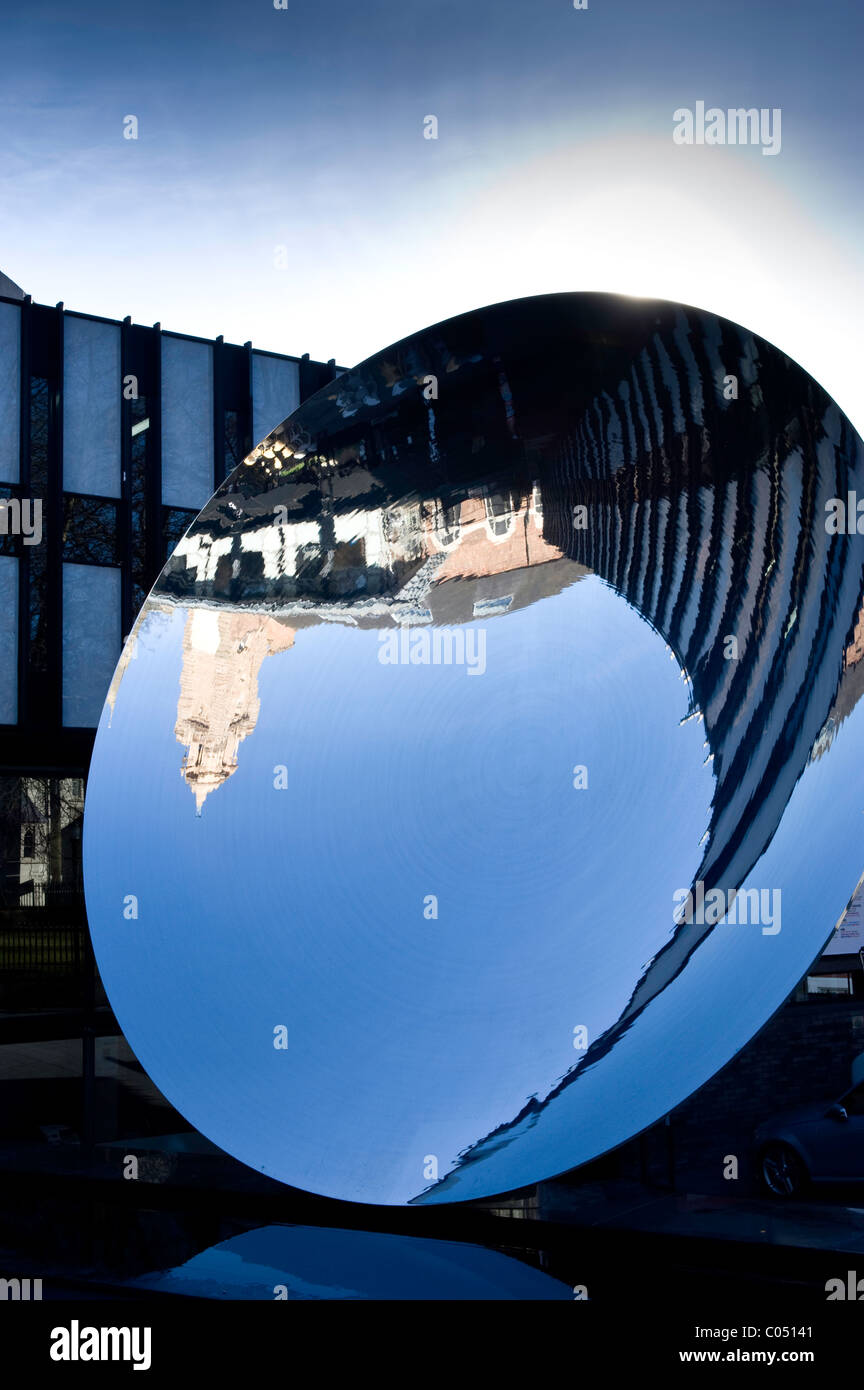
{"x":305,"y":907}
{"x":309,"y":1262}
{"x":714,"y":1007}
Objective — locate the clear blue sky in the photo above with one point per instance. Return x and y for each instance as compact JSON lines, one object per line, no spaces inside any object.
{"x":554,"y":168}
{"x":420,"y":1035}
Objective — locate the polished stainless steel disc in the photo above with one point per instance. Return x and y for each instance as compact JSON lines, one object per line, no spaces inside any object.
{"x":483,"y":770}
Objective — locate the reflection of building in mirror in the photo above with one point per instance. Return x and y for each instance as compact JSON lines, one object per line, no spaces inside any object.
{"x":219,"y":702}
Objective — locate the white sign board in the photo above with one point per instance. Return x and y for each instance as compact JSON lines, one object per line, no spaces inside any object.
{"x":849,"y":935}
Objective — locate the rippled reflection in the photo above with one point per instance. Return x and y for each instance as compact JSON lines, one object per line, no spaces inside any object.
{"x":480,"y":774}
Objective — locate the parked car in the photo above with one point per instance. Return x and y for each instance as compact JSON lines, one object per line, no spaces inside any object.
{"x":817,"y":1143}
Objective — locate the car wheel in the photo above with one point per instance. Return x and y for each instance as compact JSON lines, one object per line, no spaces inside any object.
{"x":783,"y":1171}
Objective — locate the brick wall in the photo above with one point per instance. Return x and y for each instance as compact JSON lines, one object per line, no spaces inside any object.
{"x":804,"y":1054}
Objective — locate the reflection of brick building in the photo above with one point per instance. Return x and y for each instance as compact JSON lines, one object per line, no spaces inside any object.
{"x":491,"y":534}
{"x":479,"y":538}
{"x":363,"y":553}
{"x":851,"y":686}
{"x":219,"y":702}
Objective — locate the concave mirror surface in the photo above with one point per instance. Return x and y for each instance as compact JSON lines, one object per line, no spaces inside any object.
{"x":482,"y":771}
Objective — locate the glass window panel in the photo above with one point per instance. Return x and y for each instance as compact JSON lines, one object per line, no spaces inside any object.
{"x":10,"y":392}
{"x":40,"y":842}
{"x":91,"y":406}
{"x":140,"y":456}
{"x":829,"y":984}
{"x":91,"y":640}
{"x":275,"y":393}
{"x":234,"y":451}
{"x":90,"y":531}
{"x":8,"y":639}
{"x":40,"y":441}
{"x":187,"y":423}
{"x":175,"y":524}
{"x":40,"y":434}
{"x":9,"y":521}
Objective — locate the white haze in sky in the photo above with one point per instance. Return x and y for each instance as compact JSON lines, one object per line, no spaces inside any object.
{"x":281,"y":189}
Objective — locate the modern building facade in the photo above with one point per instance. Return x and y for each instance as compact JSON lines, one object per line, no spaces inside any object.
{"x":112,"y":436}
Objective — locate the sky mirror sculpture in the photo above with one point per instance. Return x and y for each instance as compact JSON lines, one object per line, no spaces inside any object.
{"x":482,"y":771}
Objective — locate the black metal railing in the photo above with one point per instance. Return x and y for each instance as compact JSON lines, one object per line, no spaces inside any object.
{"x":42,"y":947}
